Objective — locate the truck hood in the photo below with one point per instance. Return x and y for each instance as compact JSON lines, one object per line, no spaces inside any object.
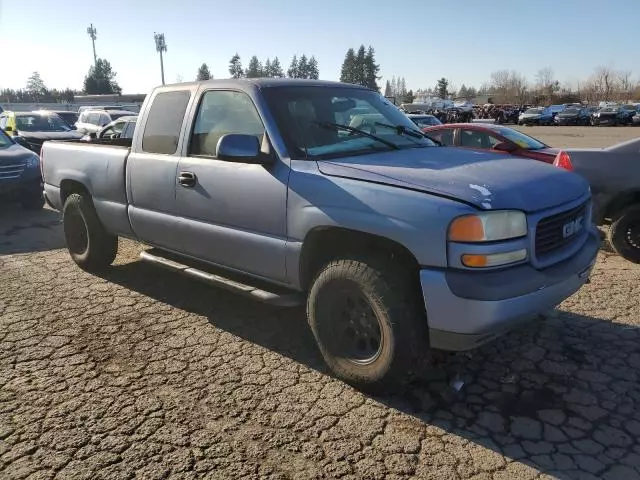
{"x":487,"y":181}
{"x":14,"y":154}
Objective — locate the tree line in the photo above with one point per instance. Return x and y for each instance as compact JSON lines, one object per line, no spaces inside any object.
{"x":510,"y":86}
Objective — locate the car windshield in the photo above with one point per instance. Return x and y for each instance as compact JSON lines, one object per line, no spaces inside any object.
{"x":69,"y":117}
{"x":5,"y":141}
{"x":426,"y":121}
{"x":40,"y":123}
{"x":323,"y":122}
{"x":534,"y":111}
{"x":572,"y":111}
{"x":115,"y":116}
{"x":520,"y":139}
{"x":609,"y":109}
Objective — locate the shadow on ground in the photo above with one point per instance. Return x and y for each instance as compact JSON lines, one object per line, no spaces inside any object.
{"x":23,"y":231}
{"x":538,"y":395}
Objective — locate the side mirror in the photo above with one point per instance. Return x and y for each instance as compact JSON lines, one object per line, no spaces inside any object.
{"x":505,"y":147}
{"x":236,"y":147}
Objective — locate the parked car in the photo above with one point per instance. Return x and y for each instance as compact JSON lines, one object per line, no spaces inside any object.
{"x":611,"y":116}
{"x":122,"y":128}
{"x":31,"y":129}
{"x":20,"y":178}
{"x":536,"y":116}
{"x":424,"y":120}
{"x":487,"y":136}
{"x":614,"y":176}
{"x":92,"y":121}
{"x":69,"y":117}
{"x":396,"y":245}
{"x":635,"y":120}
{"x":573,"y":116}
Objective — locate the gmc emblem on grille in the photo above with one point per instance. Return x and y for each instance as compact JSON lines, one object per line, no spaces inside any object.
{"x":572,"y":227}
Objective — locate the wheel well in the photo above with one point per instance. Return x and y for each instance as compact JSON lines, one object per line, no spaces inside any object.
{"x":67,"y":187}
{"x":621,"y":202}
{"x":324,"y":244}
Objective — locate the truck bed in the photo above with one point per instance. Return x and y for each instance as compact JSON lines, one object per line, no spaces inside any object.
{"x":99,"y":167}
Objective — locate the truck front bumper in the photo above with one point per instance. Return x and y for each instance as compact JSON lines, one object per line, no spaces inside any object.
{"x":468,"y":309}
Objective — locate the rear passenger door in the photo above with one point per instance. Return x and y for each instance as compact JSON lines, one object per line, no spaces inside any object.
{"x":234,"y":214}
{"x":152,"y":167}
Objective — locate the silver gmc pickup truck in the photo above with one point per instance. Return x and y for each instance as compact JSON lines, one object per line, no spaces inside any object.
{"x":297,"y":191}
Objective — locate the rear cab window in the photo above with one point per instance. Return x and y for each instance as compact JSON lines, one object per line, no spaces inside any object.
{"x":164,"y":122}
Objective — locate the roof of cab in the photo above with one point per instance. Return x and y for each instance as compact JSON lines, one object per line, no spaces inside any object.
{"x":268,"y":82}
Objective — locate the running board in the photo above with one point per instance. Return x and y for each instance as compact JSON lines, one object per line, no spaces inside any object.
{"x":276,"y":299}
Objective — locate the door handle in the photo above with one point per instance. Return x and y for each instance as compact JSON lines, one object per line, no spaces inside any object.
{"x":187,"y":179}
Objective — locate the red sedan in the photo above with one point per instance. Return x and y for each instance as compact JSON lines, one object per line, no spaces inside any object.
{"x":497,"y":138}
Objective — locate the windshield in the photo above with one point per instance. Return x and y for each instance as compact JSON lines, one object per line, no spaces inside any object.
{"x":40,"y":123}
{"x":520,"y":139}
{"x":115,"y":116}
{"x":534,"y":111}
{"x":572,"y":111}
{"x":426,"y":121}
{"x":608,"y":109}
{"x":303,"y":113}
{"x":5,"y":141}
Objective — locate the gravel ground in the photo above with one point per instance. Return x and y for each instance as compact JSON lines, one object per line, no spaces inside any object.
{"x":144,"y":374}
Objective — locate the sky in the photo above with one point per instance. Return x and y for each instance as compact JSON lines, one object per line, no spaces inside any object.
{"x":421,"y":40}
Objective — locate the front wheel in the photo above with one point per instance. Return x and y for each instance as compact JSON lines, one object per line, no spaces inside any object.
{"x":624,"y":234}
{"x":89,"y":244}
{"x":368,"y":322}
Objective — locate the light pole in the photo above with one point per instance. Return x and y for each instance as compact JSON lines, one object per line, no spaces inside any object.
{"x":161,"y":46}
{"x":93,"y":33}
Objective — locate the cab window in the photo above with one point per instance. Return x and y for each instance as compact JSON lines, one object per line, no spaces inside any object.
{"x":477,"y":139}
{"x":444,"y":136}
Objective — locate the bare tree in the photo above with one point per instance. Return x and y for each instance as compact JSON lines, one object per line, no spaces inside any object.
{"x":544,"y":78}
{"x":509,"y":86}
{"x":625,"y":83}
{"x":604,"y":83}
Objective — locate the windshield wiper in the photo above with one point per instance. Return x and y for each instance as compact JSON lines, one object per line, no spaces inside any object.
{"x":339,"y":126}
{"x":402,"y":130}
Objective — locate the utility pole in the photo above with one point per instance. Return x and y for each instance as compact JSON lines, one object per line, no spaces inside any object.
{"x":93,"y":33}
{"x":161,"y":46}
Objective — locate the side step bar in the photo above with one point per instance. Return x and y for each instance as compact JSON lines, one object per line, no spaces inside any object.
{"x":276,"y":299}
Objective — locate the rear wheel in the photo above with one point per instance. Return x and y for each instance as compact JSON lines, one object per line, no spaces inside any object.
{"x":369,"y":322}
{"x":624,"y":234}
{"x":89,"y":244}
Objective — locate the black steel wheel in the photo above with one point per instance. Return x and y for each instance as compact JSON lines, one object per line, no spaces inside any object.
{"x":624,"y":234}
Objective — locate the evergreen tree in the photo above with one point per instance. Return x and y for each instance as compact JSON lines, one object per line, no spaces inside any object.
{"x":293,"y":68}
{"x":371,"y":70}
{"x":312,"y":70}
{"x":235,"y":67}
{"x":442,"y":88}
{"x":348,"y":67}
{"x":203,"y":73}
{"x":409,"y":97}
{"x":387,"y":90}
{"x":267,"y":71}
{"x":276,"y":68}
{"x":254,"y":70}
{"x":402,"y":88}
{"x":101,"y":79}
{"x":360,"y":76}
{"x":303,"y":67}
{"x":35,"y":86}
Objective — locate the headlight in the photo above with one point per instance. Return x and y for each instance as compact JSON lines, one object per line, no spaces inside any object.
{"x":488,"y":226}
{"x":33,"y":161}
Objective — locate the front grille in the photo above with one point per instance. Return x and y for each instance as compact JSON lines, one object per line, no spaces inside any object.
{"x":550,"y":232}
{"x":8,"y":172}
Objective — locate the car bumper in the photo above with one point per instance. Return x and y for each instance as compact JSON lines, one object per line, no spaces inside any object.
{"x":459,"y":322}
{"x":18,"y":188}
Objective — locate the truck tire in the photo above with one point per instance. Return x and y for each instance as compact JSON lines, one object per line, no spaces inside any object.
{"x":369,"y":323}
{"x":624,"y":234}
{"x":89,"y":244}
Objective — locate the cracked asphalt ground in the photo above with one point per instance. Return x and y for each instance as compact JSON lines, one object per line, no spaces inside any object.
{"x":145,"y":374}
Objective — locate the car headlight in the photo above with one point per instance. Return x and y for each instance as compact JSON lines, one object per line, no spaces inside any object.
{"x":33,"y":161}
{"x":488,"y":226}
